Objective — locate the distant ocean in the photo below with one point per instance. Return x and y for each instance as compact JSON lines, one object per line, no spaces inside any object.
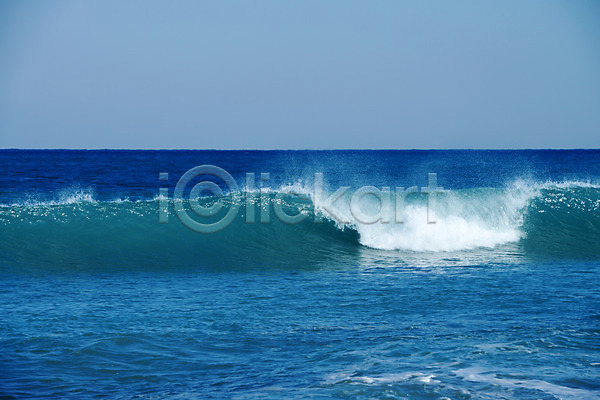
{"x":300,"y":274}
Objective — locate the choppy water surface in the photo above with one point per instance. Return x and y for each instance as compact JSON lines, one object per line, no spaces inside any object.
{"x":498,"y":299}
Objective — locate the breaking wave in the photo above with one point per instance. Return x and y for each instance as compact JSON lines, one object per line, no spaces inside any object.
{"x":541,"y":219}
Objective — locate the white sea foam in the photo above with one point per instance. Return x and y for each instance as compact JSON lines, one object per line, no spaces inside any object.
{"x":463,"y":220}
{"x":383,"y":379}
{"x":63,"y":197}
{"x":475,"y":374}
{"x":76,"y":195}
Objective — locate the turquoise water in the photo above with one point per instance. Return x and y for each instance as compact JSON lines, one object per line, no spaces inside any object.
{"x":498,"y":299}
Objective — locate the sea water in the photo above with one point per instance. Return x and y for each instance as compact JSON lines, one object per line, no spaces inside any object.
{"x":486,"y":287}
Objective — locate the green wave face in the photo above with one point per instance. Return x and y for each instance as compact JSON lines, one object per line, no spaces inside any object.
{"x":123,"y":235}
{"x":563,"y":222}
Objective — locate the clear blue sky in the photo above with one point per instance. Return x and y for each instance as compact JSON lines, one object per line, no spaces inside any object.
{"x":299,"y":74}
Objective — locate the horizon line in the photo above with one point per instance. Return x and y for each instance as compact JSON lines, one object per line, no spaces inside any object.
{"x":275,"y":149}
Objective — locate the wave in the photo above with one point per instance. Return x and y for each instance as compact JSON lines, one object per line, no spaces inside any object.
{"x":540,"y":219}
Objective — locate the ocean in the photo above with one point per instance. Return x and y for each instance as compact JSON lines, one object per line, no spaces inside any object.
{"x":458,"y":274}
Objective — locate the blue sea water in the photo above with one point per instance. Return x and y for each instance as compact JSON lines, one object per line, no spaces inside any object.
{"x":498,"y":299}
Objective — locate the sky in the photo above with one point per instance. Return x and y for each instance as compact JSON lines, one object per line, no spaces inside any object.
{"x":299,"y":74}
